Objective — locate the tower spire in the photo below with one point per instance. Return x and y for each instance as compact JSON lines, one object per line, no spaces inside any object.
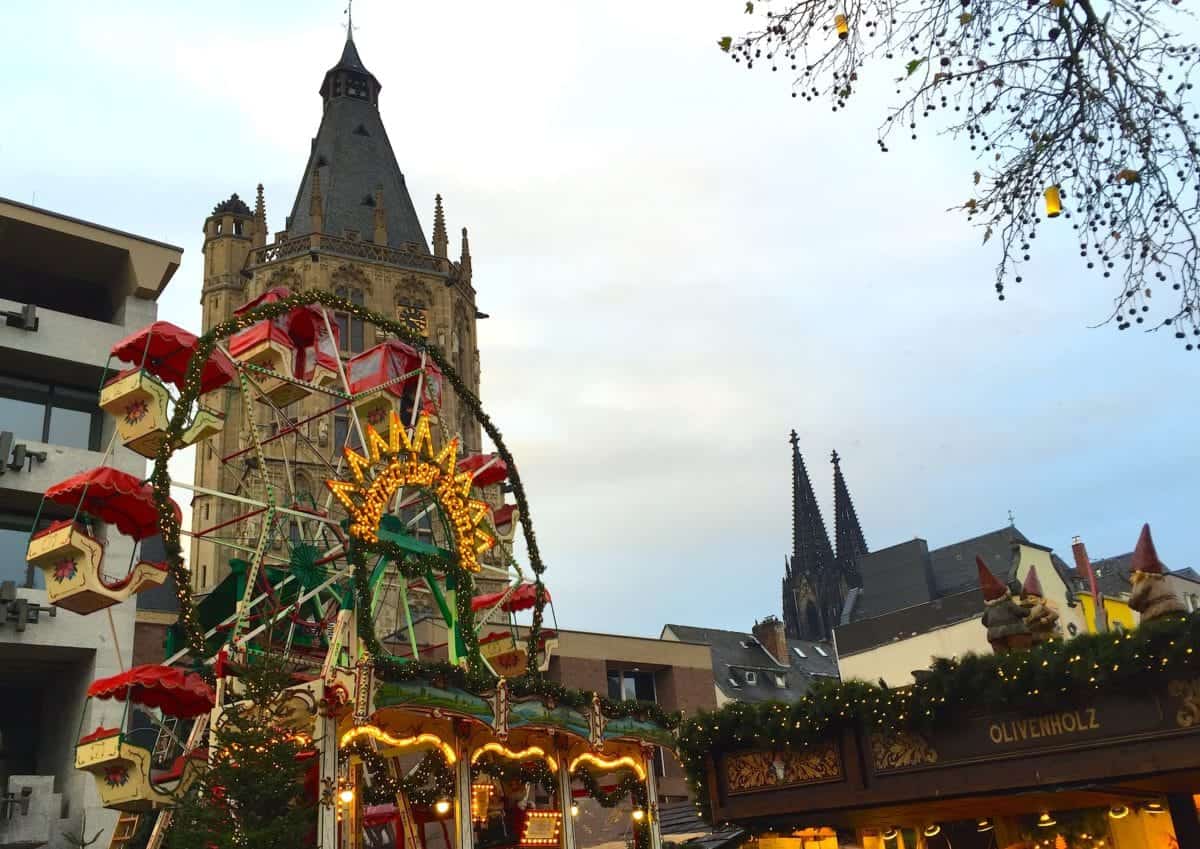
{"x":441,"y":242}
{"x":260,"y":218}
{"x":349,"y":20}
{"x":847,"y":532}
{"x":465,"y":260}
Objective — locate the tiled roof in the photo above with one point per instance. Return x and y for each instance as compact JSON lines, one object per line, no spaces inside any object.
{"x":735,"y":653}
{"x":353,"y":154}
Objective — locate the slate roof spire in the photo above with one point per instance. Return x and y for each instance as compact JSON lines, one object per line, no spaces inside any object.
{"x":847,"y":532}
{"x":353,"y":157}
{"x":811,"y":551}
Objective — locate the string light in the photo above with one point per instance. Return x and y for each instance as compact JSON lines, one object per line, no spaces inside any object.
{"x":523,"y":754}
{"x":613,"y":763}
{"x":442,"y":806}
{"x":346,"y":796}
{"x":379,"y":735}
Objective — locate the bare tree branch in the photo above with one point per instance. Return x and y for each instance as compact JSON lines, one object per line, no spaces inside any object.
{"x":1089,"y":98}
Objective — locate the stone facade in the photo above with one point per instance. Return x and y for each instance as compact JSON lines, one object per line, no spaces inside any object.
{"x":388,"y":270}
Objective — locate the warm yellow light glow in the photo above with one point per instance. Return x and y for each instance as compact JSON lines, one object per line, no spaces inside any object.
{"x":347,"y":796}
{"x":574,"y":810}
{"x":1118,"y":812}
{"x":1154,"y":808}
{"x":614,"y":763}
{"x":1045,"y":820}
{"x":442,"y":806}
{"x":411,"y":462}
{"x":843,"y":28}
{"x":932,"y":830}
{"x":1053,"y":202}
{"x":381,"y":736}
{"x":638,"y":814}
{"x":984,"y":824}
{"x":536,"y":834}
{"x":891,"y":833}
{"x":481,"y":797}
{"x":524,"y":754}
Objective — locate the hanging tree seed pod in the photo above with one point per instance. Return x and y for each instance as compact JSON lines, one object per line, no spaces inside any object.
{"x":1053,"y":202}
{"x":843,"y":28}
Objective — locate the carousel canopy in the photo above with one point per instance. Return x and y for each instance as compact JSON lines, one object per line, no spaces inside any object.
{"x":165,"y":350}
{"x":171,"y":690}
{"x":114,"y":497}
{"x":522,"y":598}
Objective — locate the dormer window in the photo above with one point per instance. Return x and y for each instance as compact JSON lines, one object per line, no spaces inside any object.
{"x":751,"y":677}
{"x":356,"y":86}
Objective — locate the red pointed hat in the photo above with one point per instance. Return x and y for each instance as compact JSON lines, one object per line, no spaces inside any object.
{"x":1145,"y":558}
{"x":991,"y":586}
{"x":1032,"y":585}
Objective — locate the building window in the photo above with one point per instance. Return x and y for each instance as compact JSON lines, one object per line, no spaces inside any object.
{"x":799,"y":653}
{"x":780,"y":681}
{"x":342,"y":428}
{"x":350,"y":329}
{"x":631,"y":684}
{"x":45,"y":412}
{"x":733,"y":682}
{"x":821,"y":651}
{"x":751,"y":677}
{"x":15,"y":529}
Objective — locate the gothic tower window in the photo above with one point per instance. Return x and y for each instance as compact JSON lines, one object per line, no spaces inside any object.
{"x":350,"y":328}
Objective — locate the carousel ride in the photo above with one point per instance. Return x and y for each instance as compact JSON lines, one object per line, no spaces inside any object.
{"x":456,"y":740}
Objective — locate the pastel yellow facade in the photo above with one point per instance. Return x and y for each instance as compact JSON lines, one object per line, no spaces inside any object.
{"x":1117,"y":611}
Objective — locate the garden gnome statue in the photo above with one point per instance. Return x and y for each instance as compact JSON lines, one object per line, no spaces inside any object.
{"x":1003,"y":617}
{"x":1151,"y":596}
{"x":1041,"y":619}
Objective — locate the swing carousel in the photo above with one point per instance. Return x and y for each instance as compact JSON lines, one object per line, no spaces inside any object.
{"x":459,"y":742}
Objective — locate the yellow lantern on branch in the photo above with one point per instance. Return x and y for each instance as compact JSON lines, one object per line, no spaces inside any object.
{"x":843,"y":27}
{"x":1053,"y":202}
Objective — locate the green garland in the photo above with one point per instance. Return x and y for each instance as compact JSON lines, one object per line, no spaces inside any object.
{"x":528,"y":772}
{"x":628,"y":786}
{"x":1042,"y":679}
{"x":433,"y":779}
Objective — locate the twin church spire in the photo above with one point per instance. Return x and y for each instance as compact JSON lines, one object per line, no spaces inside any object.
{"x":817,"y":576}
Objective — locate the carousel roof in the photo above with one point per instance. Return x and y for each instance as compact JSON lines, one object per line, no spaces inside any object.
{"x":114,"y":497}
{"x":171,"y":690}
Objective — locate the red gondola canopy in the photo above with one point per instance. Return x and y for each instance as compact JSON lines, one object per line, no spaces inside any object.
{"x":165,"y":350}
{"x":522,"y":598}
{"x":173,"y":691}
{"x":114,"y":497}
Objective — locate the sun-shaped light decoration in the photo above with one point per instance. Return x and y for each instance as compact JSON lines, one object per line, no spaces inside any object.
{"x":399,"y":461}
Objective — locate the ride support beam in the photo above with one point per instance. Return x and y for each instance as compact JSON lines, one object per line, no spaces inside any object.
{"x":648,"y":760}
{"x":464,"y":829}
{"x":327,"y":811}
{"x":565,"y":799}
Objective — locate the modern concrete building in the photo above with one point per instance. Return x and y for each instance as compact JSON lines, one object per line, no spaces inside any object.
{"x":69,"y":290}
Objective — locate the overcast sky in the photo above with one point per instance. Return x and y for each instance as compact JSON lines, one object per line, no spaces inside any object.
{"x":681,"y":264}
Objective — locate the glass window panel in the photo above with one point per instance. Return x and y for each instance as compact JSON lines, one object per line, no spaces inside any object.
{"x":70,"y":427}
{"x":343,"y":323}
{"x":614,"y":685}
{"x":356,"y":335}
{"x":628,"y":690}
{"x":643,"y":686}
{"x":24,"y":418}
{"x":13,"y":544}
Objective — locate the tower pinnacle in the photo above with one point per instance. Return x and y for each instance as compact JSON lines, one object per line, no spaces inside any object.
{"x":441,"y":242}
{"x":847,"y":532}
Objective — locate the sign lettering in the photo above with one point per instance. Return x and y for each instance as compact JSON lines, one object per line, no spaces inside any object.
{"x":1047,"y":725}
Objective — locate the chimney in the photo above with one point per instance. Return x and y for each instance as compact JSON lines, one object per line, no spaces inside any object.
{"x":1083,"y":565}
{"x":771,"y":634}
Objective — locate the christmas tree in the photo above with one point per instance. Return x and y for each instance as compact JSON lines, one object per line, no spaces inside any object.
{"x":251,"y":792}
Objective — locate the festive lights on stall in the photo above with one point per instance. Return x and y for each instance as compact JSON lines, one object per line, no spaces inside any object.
{"x":626,"y":761}
{"x":1118,"y":811}
{"x":524,"y":754}
{"x":380,"y":736}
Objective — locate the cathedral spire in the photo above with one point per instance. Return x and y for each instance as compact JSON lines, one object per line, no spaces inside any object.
{"x":441,"y":242}
{"x":810,"y":541}
{"x":260,"y":218}
{"x":847,"y":532}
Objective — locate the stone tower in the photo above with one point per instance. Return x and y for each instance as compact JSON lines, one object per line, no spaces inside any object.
{"x":353,"y":230}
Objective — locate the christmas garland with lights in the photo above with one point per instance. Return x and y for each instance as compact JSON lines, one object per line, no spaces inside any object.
{"x":431,"y":780}
{"x":169,"y":525}
{"x":1045,"y":678}
{"x":629,"y":786}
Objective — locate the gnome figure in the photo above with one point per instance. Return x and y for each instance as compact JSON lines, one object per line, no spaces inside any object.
{"x":1041,"y":619}
{"x":1151,"y":596}
{"x":1003,"y":617}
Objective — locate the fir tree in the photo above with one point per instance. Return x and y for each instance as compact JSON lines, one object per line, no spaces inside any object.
{"x":251,"y":792}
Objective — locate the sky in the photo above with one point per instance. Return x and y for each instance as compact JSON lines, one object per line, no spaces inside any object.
{"x":681,"y":264}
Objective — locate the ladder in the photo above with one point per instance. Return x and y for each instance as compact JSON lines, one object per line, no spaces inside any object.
{"x":165,"y":744}
{"x":124,"y":830}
